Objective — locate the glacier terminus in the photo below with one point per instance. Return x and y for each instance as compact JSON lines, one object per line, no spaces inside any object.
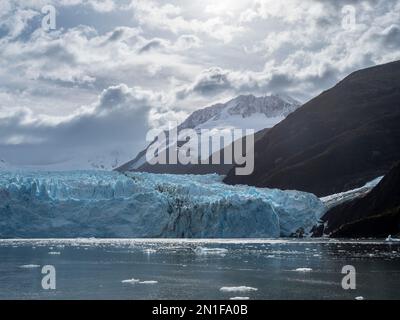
{"x":142,"y":205}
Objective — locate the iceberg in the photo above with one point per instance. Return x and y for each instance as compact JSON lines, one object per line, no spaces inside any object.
{"x":141,"y":205}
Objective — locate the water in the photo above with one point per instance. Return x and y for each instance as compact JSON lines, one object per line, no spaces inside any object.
{"x":187,"y":269}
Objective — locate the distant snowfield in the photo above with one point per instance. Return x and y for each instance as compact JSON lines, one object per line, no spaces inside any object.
{"x":105,"y":161}
{"x":113,"y":205}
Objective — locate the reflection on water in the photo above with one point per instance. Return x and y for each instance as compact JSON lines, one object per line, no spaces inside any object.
{"x":198,"y":269}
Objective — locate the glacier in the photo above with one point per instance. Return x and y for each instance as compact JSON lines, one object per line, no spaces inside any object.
{"x":336,"y":199}
{"x":106,"y":204}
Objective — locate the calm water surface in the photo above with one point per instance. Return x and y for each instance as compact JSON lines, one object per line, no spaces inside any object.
{"x":198,"y":269}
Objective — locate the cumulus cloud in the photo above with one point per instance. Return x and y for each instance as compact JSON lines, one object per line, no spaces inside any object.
{"x":170,"y":17}
{"x":80,"y":58}
{"x":300,"y":58}
{"x":209,"y":82}
{"x":184,"y":42}
{"x":14,"y":24}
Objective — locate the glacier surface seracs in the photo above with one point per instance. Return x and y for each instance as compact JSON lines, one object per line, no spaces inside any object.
{"x":142,"y":205}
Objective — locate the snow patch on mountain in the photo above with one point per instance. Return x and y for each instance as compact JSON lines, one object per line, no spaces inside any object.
{"x":246,"y":108}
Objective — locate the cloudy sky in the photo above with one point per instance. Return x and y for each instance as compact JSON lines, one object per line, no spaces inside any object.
{"x":111,"y":70}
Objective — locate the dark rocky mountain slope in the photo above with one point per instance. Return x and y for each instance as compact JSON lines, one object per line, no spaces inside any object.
{"x":338,"y":141}
{"x":375,"y":215}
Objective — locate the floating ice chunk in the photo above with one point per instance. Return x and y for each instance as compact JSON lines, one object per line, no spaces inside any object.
{"x":360,"y":298}
{"x":131,"y":281}
{"x":148,"y":282}
{"x":303,"y":270}
{"x":239,"y":298}
{"x":54,"y":252}
{"x":205,"y":251}
{"x":149,"y":251}
{"x":238,"y":289}
{"x":390,"y":239}
{"x":29,"y":266}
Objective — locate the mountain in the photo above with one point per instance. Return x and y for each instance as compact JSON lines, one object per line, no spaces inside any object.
{"x":246,"y":112}
{"x":338,"y":141}
{"x":243,"y":112}
{"x":198,"y":169}
{"x":375,"y":215}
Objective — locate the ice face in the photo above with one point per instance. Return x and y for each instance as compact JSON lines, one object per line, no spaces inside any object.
{"x":143,"y":205}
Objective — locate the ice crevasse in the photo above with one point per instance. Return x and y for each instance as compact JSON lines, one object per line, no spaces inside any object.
{"x":136,"y":205}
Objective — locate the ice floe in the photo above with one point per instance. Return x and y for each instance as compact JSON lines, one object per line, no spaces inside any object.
{"x":238,"y":289}
{"x":131,"y":281}
{"x":303,"y":270}
{"x":210,"y":251}
{"x":29,"y":266}
{"x":391,"y":239}
{"x":148,"y":282}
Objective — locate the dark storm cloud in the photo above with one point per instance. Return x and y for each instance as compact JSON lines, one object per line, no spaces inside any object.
{"x":121,"y":115}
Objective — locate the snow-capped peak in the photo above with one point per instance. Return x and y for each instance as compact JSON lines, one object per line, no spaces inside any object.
{"x":245,"y":106}
{"x":243,"y":112}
